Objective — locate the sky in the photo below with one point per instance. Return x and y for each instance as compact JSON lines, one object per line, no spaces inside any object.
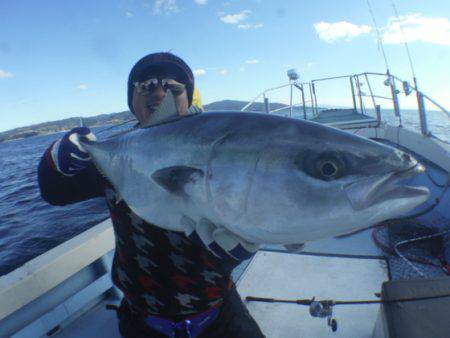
{"x":61,"y":59}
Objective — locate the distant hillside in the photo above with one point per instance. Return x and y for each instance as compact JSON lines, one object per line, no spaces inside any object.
{"x":113,"y":118}
{"x":62,"y":125}
{"x":238,"y":105}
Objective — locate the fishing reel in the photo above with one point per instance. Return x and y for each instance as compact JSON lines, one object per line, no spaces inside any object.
{"x":324,"y":309}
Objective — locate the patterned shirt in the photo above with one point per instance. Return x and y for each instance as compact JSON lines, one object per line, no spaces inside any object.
{"x":160,"y":272}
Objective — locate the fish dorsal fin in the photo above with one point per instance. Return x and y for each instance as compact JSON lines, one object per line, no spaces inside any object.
{"x":167,"y":110}
{"x":174,"y":179}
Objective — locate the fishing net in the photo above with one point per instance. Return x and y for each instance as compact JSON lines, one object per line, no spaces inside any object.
{"x":421,"y":245}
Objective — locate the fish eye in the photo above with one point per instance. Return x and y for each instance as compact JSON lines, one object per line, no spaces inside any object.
{"x":328,"y":169}
{"x":326,"y":166}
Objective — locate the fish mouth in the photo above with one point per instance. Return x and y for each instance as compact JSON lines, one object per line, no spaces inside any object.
{"x":381,"y":188}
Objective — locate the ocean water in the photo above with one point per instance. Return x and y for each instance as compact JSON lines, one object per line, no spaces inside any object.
{"x":437,"y":121}
{"x":29,"y":226}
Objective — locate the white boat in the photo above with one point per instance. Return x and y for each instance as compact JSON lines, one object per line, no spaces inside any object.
{"x":64,"y":292}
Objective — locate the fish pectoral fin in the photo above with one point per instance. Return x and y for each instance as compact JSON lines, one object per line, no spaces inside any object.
{"x":188,"y":225}
{"x":174,"y":179}
{"x":218,"y":240}
{"x":230,"y":241}
{"x":119,"y":198}
{"x":294,"y":248}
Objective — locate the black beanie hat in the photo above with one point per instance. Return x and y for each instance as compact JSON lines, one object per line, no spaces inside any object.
{"x":160,"y":62}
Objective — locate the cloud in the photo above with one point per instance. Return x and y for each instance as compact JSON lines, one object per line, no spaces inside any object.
{"x":223,"y":72}
{"x":239,"y":19}
{"x":331,"y":32}
{"x":416,"y":27}
{"x":252,"y":61}
{"x":165,"y":6}
{"x":242,"y":69}
{"x":201,"y":2}
{"x":129,"y":14}
{"x":234,"y":19}
{"x":5,"y":75}
{"x":83,"y":86}
{"x":199,"y":72}
{"x":250,"y":26}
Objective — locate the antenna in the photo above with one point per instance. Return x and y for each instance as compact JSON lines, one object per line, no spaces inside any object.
{"x":405,"y":42}
{"x":380,"y":41}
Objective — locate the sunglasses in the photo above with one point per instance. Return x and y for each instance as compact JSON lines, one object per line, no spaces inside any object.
{"x":146,"y":87}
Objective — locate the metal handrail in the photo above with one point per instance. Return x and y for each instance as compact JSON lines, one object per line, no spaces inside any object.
{"x":309,"y":89}
{"x":436,"y":104}
{"x":287,"y":107}
{"x":391,"y":76}
{"x":262,"y":94}
{"x":414,"y":88}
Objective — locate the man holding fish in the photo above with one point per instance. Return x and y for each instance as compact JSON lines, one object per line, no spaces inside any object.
{"x":191,"y":195}
{"x":175,"y":284}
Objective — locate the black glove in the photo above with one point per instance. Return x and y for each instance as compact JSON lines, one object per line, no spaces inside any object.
{"x":68,"y":154}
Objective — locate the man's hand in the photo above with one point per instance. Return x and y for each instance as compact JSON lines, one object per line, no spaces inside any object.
{"x":220,"y":241}
{"x":68,"y":155}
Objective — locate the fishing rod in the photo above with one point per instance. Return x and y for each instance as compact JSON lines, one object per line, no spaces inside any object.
{"x":82,"y":124}
{"x":324,"y":308}
{"x":405,"y":41}
{"x":390,"y":81}
{"x":116,"y":125}
{"x":308,"y":302}
{"x":380,"y":40}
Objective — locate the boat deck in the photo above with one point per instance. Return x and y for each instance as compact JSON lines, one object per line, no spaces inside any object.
{"x":97,"y":322}
{"x":100,"y":322}
{"x":341,"y":117}
{"x":305,"y":276}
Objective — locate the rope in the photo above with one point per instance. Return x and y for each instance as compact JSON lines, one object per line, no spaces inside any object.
{"x":439,"y":185}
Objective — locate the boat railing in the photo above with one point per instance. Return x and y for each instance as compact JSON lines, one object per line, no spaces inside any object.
{"x":58,"y":285}
{"x":363,"y":101}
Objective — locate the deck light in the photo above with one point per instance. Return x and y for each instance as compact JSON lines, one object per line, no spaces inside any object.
{"x":292,"y":74}
{"x":407,"y":88}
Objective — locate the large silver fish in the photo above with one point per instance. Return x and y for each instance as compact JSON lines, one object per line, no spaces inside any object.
{"x":265,"y":178}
